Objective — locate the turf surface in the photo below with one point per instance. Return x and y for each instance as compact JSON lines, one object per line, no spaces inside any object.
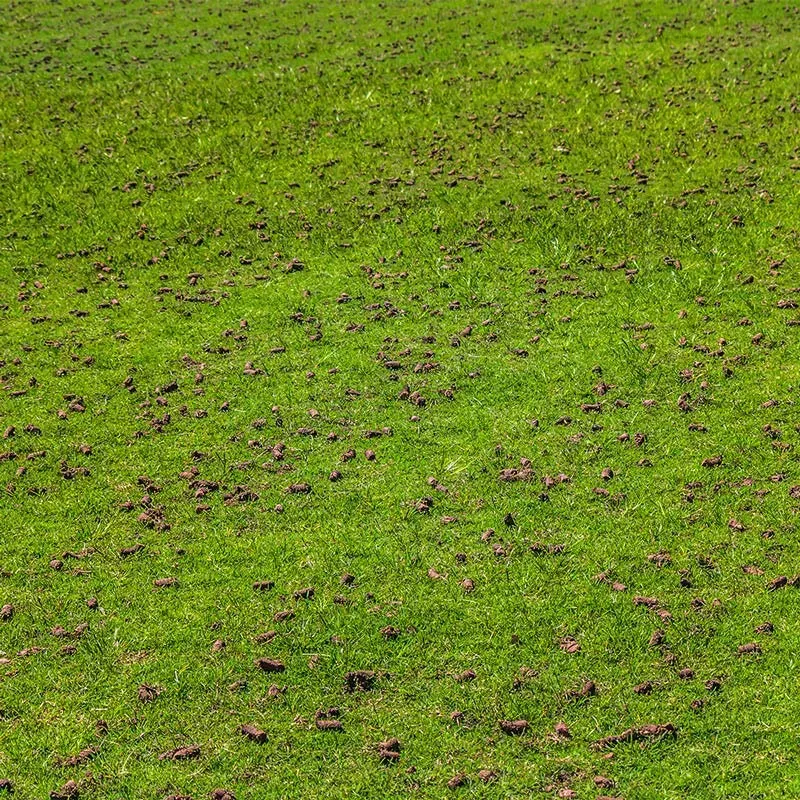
{"x":443,"y":356}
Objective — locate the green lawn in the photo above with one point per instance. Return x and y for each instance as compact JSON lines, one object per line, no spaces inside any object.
{"x":480,"y":320}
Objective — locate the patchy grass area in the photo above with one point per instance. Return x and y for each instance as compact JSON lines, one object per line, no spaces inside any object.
{"x":413,"y":371}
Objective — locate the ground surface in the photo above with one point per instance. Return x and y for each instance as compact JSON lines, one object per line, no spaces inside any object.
{"x":515,"y":267}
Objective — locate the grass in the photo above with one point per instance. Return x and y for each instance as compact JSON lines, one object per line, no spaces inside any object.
{"x":533,"y":200}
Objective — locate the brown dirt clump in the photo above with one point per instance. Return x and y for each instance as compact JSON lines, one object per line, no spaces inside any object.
{"x":329,"y":725}
{"x":270,"y":665}
{"x":460,"y":779}
{"x":514,"y":727}
{"x":642,"y":733}
{"x":361,"y":680}
{"x":751,"y":648}
{"x":148,"y":693}
{"x":253,"y":733}
{"x":181,"y":753}
{"x":69,"y":791}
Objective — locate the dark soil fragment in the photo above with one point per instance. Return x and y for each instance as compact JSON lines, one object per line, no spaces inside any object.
{"x":148,"y":693}
{"x":587,"y":689}
{"x":423,"y":505}
{"x":85,"y":755}
{"x":329,"y":725}
{"x":390,"y":745}
{"x":765,"y":627}
{"x":514,"y":727}
{"x":181,"y":753}
{"x":221,"y":794}
{"x":388,"y":756}
{"x":643,"y":733}
{"x":657,"y":638}
{"x":253,"y":733}
{"x":434,"y":575}
{"x":361,"y":680}
{"x":6,"y":786}
{"x":238,"y":495}
{"x":69,"y":791}
{"x":457,"y":780}
{"x":751,"y":648}
{"x":570,"y":645}
{"x":512,"y":474}
{"x":562,"y":731}
{"x":270,"y":665}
